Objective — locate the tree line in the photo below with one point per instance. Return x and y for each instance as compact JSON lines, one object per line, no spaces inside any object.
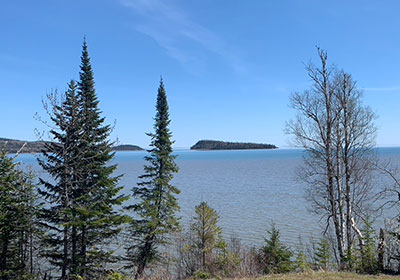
{"x":69,"y":225}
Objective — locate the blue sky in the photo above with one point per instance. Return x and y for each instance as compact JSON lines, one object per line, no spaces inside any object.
{"x":229,"y":66}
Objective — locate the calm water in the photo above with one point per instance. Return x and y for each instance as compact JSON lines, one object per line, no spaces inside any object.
{"x":250,"y":189}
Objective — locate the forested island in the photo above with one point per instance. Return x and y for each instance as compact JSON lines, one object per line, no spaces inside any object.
{"x":222,"y":145}
{"x":26,"y":147}
{"x":127,"y":147}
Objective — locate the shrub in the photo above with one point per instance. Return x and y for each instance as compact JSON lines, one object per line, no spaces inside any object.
{"x":274,"y":257}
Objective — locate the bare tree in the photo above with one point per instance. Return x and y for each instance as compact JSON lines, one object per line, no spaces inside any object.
{"x":338,"y":135}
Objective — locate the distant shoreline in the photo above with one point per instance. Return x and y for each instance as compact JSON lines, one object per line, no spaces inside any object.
{"x":207,"y":145}
{"x":34,"y":147}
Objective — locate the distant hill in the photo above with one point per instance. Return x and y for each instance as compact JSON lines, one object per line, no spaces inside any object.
{"x":14,"y":146}
{"x":127,"y":147}
{"x":221,"y":145}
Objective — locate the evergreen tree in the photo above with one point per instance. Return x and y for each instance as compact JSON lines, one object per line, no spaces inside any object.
{"x":322,"y":254}
{"x":18,"y":211}
{"x":302,"y":263}
{"x":369,"y":252}
{"x":98,"y":194}
{"x":156,"y":202}
{"x":206,"y":231}
{"x":61,"y":160}
{"x":274,"y":257}
{"x":83,"y":193}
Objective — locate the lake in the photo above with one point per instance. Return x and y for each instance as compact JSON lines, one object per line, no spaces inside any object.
{"x":249,"y":189}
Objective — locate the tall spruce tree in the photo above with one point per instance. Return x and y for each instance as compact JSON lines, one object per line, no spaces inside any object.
{"x":18,"y":212}
{"x":98,"y":193}
{"x":155,"y":195}
{"x":61,"y":161}
{"x":82,"y":194}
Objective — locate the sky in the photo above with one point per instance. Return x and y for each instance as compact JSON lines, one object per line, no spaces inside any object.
{"x":229,"y":66}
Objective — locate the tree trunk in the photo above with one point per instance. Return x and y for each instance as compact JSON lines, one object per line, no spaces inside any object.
{"x":140,"y":270}
{"x":65,"y":254}
{"x":339,"y":178}
{"x":203,"y":241}
{"x":3,"y":257}
{"x":74,"y":240}
{"x":82,"y":261}
{"x":381,"y":250}
{"x":31,"y":249}
{"x":327,"y":92}
{"x":346,"y":160}
{"x":143,"y":260}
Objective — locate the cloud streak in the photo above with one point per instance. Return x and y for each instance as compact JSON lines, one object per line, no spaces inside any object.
{"x":182,"y":38}
{"x":382,"y":89}
{"x":8,"y":58}
{"x":17,"y":62}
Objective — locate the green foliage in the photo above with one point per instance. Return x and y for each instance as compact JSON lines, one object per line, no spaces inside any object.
{"x":18,"y":212}
{"x":117,"y":276}
{"x":228,"y":263}
{"x":206,"y":231}
{"x":155,"y":202}
{"x":322,"y":254}
{"x":203,"y":249}
{"x":302,"y":263}
{"x":82,"y":195}
{"x":61,"y":163}
{"x":274,"y":257}
{"x":201,"y":275}
{"x":369,"y":253}
{"x":98,"y":193}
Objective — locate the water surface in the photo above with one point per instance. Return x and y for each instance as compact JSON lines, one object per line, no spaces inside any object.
{"x":250,"y":189}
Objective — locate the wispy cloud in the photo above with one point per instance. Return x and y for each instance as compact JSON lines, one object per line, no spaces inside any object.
{"x":180,"y":36}
{"x":382,"y":89}
{"x":20,"y":61}
{"x":15,"y":59}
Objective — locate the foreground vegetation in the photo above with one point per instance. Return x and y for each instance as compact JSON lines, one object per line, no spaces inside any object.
{"x":324,"y":276}
{"x":314,"y":275}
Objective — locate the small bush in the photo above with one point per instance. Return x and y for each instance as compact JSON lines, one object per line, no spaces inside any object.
{"x":302,"y":264}
{"x":117,"y":276}
{"x":201,"y":275}
{"x":322,"y":255}
{"x":274,"y":257}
